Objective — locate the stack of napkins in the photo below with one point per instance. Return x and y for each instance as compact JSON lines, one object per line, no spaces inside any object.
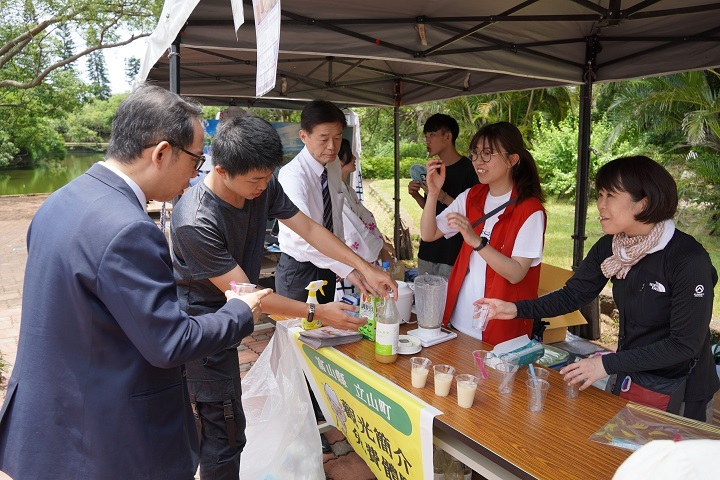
{"x":527,"y":350}
{"x":328,"y":337}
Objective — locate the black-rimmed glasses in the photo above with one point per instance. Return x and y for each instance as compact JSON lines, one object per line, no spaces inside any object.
{"x":484,"y":155}
{"x":199,"y":159}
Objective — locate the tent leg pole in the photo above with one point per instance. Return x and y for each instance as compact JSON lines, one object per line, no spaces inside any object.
{"x":592,"y":310}
{"x":174,"y":83}
{"x":396,"y":136}
{"x":174,"y":55}
{"x":583,"y":174}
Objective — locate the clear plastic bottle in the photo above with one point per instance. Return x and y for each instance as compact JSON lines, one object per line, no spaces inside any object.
{"x":455,"y":470}
{"x":386,"y":268}
{"x":440,"y":463}
{"x":387,"y":331}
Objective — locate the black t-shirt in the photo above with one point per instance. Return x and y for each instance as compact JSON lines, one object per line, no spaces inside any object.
{"x":458,"y":177}
{"x":210,"y":237}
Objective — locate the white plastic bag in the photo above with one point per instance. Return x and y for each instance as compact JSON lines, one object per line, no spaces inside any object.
{"x":283,"y":440}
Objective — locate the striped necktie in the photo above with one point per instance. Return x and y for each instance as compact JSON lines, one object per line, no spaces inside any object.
{"x":327,"y":205}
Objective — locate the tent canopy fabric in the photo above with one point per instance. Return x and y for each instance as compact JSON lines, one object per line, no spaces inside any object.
{"x":404,"y":52}
{"x":355,"y":53}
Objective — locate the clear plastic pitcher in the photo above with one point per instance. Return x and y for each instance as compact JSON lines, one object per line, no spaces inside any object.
{"x":430,"y":294}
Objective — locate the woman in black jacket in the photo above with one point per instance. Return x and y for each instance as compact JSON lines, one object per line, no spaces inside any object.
{"x":662,"y":285}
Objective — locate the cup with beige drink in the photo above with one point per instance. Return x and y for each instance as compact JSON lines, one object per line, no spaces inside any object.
{"x":443,"y":379}
{"x":420,"y":367}
{"x":466,"y":387}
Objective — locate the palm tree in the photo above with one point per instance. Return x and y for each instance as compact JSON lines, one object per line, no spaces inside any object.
{"x":519,"y":108}
{"x":683,"y":111}
{"x":688,"y":102}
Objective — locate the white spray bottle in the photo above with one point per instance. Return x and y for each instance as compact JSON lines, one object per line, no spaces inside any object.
{"x":310,"y":322}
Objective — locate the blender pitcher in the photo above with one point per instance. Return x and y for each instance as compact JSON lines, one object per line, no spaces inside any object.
{"x":430,"y":293}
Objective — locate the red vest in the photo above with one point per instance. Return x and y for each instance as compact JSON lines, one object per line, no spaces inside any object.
{"x":503,"y":240}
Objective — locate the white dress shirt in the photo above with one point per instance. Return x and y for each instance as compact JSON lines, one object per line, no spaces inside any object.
{"x":131,"y":183}
{"x":301,"y":181}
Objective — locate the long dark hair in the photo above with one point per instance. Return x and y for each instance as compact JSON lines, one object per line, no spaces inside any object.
{"x":505,"y":137}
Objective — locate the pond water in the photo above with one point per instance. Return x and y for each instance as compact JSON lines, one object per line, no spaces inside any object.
{"x":46,"y":179}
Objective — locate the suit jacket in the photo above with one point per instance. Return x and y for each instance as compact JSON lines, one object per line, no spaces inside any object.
{"x":98,"y":388}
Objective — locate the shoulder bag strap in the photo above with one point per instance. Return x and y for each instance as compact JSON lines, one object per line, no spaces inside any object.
{"x":488,"y":215}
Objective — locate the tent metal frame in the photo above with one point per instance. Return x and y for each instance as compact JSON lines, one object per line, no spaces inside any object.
{"x":442,"y":76}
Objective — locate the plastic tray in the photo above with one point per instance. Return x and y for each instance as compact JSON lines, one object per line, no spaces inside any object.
{"x":554,"y":357}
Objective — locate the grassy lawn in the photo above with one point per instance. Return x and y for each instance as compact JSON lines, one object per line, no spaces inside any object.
{"x":558,"y":237}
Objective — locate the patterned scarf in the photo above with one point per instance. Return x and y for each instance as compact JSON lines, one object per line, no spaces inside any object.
{"x":627,"y":251}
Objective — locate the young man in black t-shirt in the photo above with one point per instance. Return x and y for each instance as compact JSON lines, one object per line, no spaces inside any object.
{"x":218,"y":232}
{"x":441,"y":132}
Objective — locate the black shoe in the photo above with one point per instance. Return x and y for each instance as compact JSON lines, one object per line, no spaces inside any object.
{"x":325,"y":444}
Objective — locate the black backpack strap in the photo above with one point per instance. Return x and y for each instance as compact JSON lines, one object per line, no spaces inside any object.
{"x":229,"y":419}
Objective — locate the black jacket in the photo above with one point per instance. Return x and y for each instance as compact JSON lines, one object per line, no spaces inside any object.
{"x":665,"y":304}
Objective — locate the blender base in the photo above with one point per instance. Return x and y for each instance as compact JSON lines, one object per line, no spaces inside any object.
{"x":444,"y":336}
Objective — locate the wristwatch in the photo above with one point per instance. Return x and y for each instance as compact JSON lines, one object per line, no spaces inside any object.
{"x":311,"y":313}
{"x":483,"y":241}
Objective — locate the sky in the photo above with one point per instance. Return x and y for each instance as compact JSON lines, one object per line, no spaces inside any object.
{"x":115,"y":60}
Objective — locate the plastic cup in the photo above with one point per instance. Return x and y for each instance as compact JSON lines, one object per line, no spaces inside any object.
{"x":571,"y":391}
{"x":507,"y":377}
{"x":242,"y":288}
{"x":443,"y":379}
{"x":483,"y":359}
{"x":537,"y":390}
{"x":540,"y":373}
{"x":419,"y":368}
{"x":466,"y":387}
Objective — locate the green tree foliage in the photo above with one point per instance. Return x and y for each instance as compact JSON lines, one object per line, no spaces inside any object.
{"x":67,"y":45}
{"x":555,"y":148}
{"x":520,"y":108}
{"x":36,"y":46}
{"x":378,"y":127}
{"x":132,"y":67}
{"x":27,"y":116}
{"x":382,"y":163}
{"x":93,"y":122}
{"x":29,"y":38}
{"x":97,"y":71}
{"x":681,"y":115}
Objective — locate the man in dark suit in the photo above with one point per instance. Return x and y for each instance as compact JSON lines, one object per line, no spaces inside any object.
{"x":98,"y":389}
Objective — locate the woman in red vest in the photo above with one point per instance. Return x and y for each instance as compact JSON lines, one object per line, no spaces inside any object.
{"x":502,"y":222}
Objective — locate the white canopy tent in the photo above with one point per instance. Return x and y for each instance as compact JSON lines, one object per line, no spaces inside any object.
{"x":402,"y":52}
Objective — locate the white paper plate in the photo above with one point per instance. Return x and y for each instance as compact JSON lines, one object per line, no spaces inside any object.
{"x":408,"y":345}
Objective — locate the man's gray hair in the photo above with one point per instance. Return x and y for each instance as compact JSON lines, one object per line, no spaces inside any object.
{"x":149,"y":115}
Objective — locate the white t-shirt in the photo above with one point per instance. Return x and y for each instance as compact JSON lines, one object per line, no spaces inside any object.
{"x":528,"y":244}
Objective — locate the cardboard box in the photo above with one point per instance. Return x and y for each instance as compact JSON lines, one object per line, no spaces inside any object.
{"x":551,"y":279}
